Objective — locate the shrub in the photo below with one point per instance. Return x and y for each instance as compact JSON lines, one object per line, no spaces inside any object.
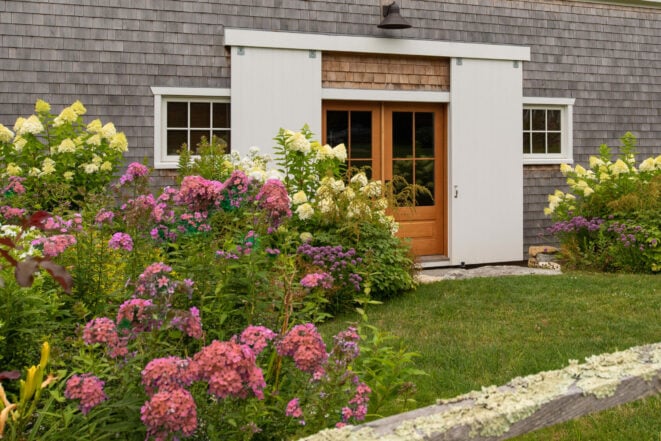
{"x":611,"y":218}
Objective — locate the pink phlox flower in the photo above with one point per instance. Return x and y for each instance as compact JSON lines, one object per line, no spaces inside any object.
{"x":53,"y":246}
{"x":103,"y":216}
{"x":189,"y":322}
{"x":134,"y":171}
{"x":163,"y":374}
{"x":136,"y":313}
{"x":236,"y":187}
{"x":61,"y":225}
{"x":359,"y":402}
{"x":304,"y":344}
{"x":294,"y":410}
{"x":88,"y":389}
{"x":319,"y":279}
{"x":230,"y":369}
{"x":153,"y":278}
{"x":257,"y":337}
{"x":274,"y":200}
{"x":11,"y":212}
{"x":121,"y":240}
{"x":169,"y":412}
{"x":199,"y":193}
{"x":104,"y":331}
{"x":14,"y":186}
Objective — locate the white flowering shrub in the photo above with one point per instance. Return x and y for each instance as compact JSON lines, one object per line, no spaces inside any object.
{"x":59,"y":158}
{"x":610,"y":219}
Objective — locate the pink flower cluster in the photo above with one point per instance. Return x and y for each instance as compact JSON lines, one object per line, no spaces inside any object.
{"x":103,"y":330}
{"x":53,"y":246}
{"x":304,"y":344}
{"x":294,"y":410}
{"x":189,"y":322}
{"x":314,"y":280}
{"x":15,"y":186}
{"x":154,"y":280}
{"x":357,"y":408}
{"x":135,"y":313}
{"x":257,"y":337}
{"x":236,"y":186}
{"x":230,"y":370}
{"x":88,"y":389}
{"x":121,"y":240}
{"x":199,"y":193}
{"x":10,"y":212}
{"x":57,"y":223}
{"x":169,"y":412}
{"x":134,"y":171}
{"x":274,"y":200}
{"x":167,"y":374}
{"x":346,"y":347}
{"x":104,"y":216}
{"x":145,"y":206}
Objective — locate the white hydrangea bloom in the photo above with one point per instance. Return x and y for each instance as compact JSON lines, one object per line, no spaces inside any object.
{"x":305,"y":211}
{"x":299,"y":198}
{"x":31,"y":125}
{"x":359,"y":178}
{"x":6,"y":135}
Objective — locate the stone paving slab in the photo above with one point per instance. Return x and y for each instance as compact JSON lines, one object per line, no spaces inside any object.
{"x":436,"y":274}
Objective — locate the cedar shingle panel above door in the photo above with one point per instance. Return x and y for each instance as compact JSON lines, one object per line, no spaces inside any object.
{"x":384,"y":72}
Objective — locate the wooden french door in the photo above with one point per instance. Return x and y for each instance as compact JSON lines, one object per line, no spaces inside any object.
{"x":399,"y":139}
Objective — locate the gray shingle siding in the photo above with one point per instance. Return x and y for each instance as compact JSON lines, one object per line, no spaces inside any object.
{"x":108,"y":54}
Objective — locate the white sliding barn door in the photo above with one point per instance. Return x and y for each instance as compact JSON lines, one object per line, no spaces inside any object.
{"x":485,"y":188}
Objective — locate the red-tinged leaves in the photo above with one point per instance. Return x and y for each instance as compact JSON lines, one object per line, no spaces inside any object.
{"x":38,"y":219}
{"x":24,"y":272}
{"x":58,"y":273}
{"x":10,"y":375}
{"x":7,"y":242}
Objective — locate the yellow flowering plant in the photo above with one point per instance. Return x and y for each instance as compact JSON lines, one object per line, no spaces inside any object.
{"x":610,"y":219}
{"x":59,"y":159}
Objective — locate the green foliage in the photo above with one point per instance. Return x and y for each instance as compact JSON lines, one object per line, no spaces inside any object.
{"x":611,"y":218}
{"x":211,"y":161}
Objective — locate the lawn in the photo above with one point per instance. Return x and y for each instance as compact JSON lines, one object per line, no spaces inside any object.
{"x":479,"y":332}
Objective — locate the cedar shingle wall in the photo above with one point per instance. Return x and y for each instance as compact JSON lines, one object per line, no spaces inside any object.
{"x":606,"y":56}
{"x":386,"y":72}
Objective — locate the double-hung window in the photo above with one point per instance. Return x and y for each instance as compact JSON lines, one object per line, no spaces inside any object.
{"x":547,"y":130}
{"x":183,"y":116}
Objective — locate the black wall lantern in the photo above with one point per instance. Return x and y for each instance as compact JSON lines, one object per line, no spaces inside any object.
{"x":391,"y":18}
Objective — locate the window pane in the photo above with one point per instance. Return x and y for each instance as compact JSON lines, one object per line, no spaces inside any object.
{"x":553,"y":145}
{"x":539,"y":119}
{"x":402,"y":134}
{"x":526,"y":143}
{"x":553,"y":120}
{"x":337,"y":127}
{"x":361,"y":135}
{"x":402,"y":169}
{"x":196,"y":137}
{"x":526,"y":119}
{"x":424,"y":176}
{"x":177,"y":114}
{"x":221,"y":115}
{"x":365,"y":166}
{"x":200,"y":114}
{"x":539,"y":143}
{"x":175,"y":139}
{"x":224,"y":135}
{"x":424,"y":135}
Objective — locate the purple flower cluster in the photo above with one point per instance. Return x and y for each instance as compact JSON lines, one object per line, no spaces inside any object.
{"x":575,"y":225}
{"x":334,"y":260}
{"x":632,"y":236}
{"x":88,"y":389}
{"x":345,"y":346}
{"x":121,"y":241}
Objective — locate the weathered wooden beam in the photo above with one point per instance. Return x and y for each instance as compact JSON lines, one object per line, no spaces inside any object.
{"x":523,"y":405}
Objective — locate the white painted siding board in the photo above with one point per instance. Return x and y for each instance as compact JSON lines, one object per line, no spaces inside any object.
{"x":486,"y":164}
{"x":273,"y":89}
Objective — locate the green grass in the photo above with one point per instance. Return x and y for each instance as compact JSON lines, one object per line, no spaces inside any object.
{"x":479,"y":332}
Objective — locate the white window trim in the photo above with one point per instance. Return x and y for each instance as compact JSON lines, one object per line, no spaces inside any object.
{"x":161,"y":96}
{"x":566,"y":106}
